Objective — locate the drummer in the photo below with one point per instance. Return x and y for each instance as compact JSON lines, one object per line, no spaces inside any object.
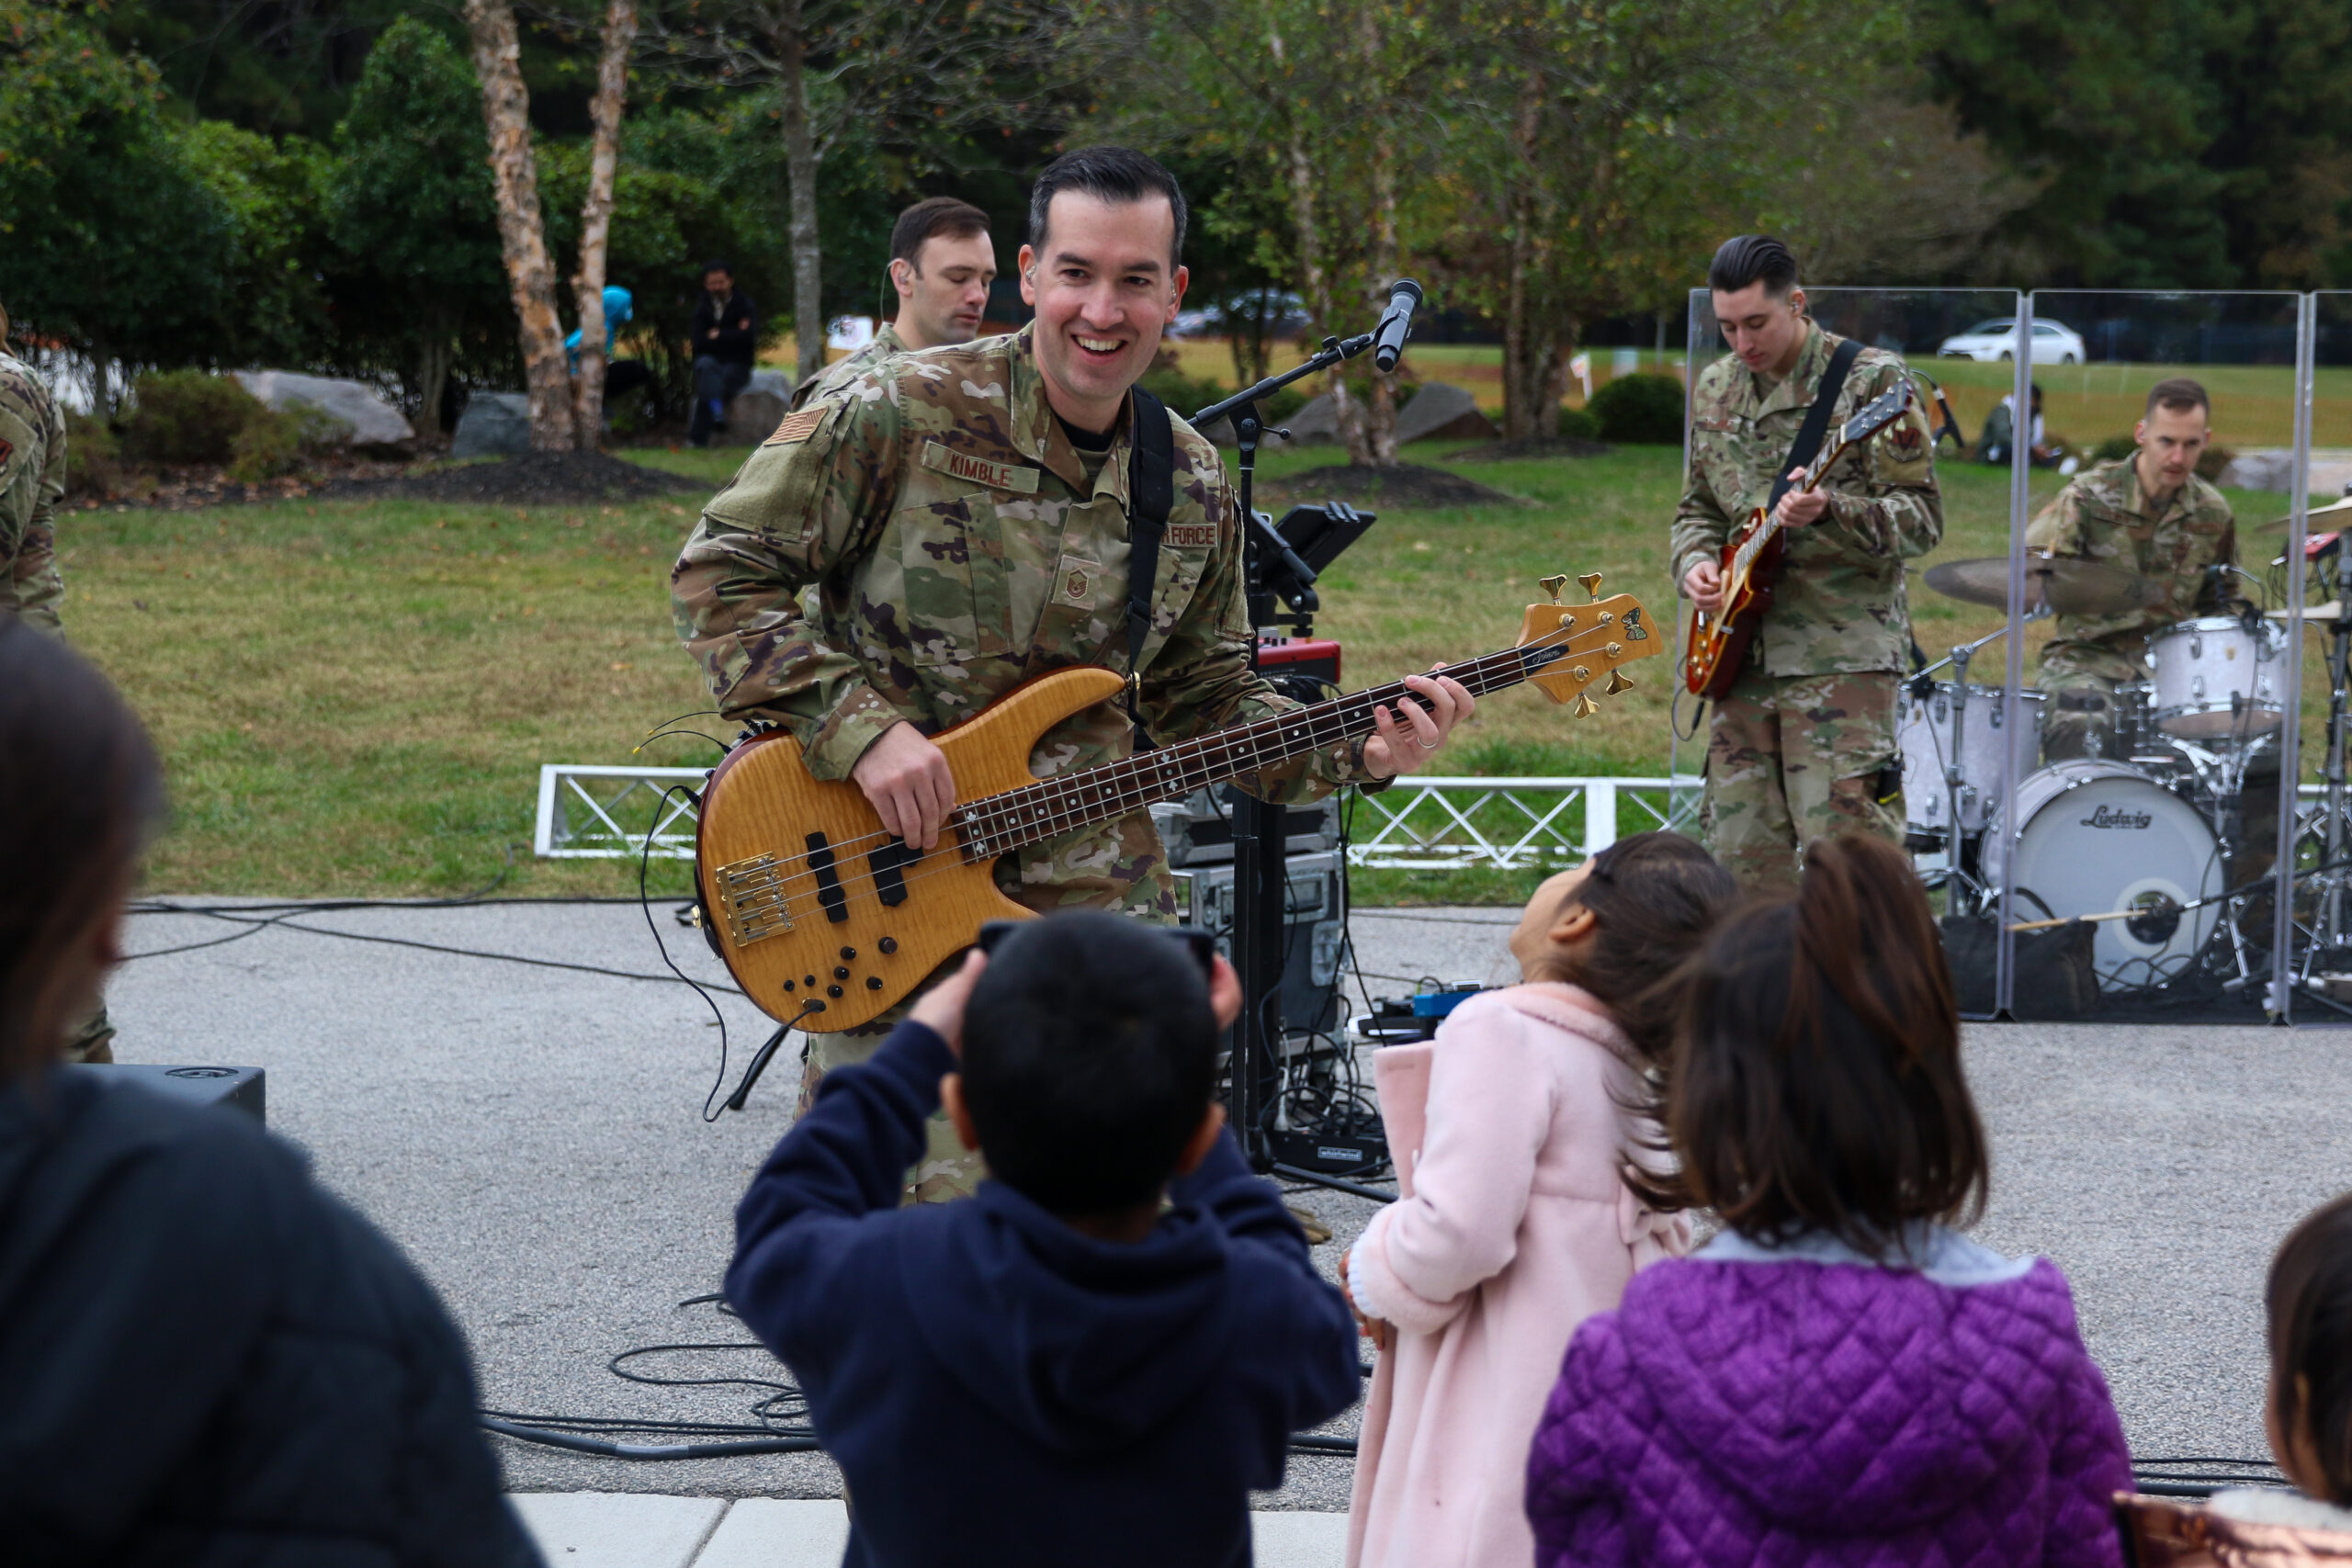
{"x":2148,"y":513}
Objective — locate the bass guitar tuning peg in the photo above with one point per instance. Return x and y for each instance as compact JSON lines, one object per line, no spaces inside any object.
{"x":1553,"y":585}
{"x":1584,"y":707}
{"x":1591,"y":580}
{"x":1617,"y":683}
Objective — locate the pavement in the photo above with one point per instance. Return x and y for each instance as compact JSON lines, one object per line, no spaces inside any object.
{"x":533,"y":1136}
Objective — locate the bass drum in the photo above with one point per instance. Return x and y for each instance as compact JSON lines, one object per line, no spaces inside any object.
{"x":2091,"y":836}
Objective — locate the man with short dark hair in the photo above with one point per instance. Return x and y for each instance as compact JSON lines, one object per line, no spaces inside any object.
{"x":1098,"y":1357}
{"x":962,"y":516}
{"x":725,"y":341}
{"x":942,"y":262}
{"x":2149,"y":515}
{"x":1803,"y":745}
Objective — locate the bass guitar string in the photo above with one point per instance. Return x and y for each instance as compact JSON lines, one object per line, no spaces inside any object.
{"x":1490,"y":673}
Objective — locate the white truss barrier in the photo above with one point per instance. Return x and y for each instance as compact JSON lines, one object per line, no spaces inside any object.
{"x":1417,"y":824}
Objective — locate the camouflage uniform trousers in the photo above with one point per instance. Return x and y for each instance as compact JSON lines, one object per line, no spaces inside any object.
{"x":91,"y":1040}
{"x":1796,"y":758}
{"x":1059,"y":875}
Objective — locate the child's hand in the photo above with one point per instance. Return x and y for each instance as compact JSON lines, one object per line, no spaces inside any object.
{"x":940,"y":1009}
{"x":1376,"y":1329}
{"x":1225,"y":992}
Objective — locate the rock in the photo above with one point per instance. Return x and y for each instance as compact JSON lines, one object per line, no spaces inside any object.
{"x":769,"y":379}
{"x":357,"y":407}
{"x":751,"y":417}
{"x":2271,"y":470}
{"x":496,"y":424}
{"x":1441,"y":413}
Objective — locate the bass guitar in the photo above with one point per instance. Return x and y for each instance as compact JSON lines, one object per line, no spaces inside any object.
{"x":1717,"y":644}
{"x":828,"y":920}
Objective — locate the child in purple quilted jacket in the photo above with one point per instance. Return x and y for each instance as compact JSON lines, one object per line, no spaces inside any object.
{"x":1837,"y":1378}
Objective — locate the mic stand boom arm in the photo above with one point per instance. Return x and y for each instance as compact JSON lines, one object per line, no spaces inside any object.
{"x":1261,"y":867}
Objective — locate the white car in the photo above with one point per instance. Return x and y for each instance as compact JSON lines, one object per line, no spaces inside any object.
{"x":1998,"y":339}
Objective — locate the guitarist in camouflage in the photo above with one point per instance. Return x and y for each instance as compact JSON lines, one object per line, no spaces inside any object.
{"x":961,"y":514}
{"x":1803,"y":746}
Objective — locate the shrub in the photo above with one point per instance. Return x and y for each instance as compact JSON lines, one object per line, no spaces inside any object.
{"x":276,"y":440}
{"x":2212,"y":460}
{"x":188,"y":416}
{"x":2113,"y":447}
{"x":1579,"y":424}
{"x":92,"y":457}
{"x":1639,"y":411}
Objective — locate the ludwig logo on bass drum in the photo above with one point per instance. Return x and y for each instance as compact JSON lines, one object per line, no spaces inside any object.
{"x":2109,"y":816}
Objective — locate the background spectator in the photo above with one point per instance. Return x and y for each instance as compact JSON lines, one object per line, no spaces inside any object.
{"x":726,"y":340}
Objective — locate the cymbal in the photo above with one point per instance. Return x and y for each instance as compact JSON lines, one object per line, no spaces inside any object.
{"x":2279,"y":526}
{"x":2070,"y":587}
{"x":2315,"y":614}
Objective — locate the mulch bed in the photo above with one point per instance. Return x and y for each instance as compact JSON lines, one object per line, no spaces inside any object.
{"x":1530,"y":446}
{"x":535,"y":479}
{"x":1408,"y":485}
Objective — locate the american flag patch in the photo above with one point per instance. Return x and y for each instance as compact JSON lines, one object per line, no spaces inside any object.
{"x":796,"y":427}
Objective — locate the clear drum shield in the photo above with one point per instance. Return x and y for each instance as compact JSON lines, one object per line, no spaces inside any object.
{"x":2152,"y":635}
{"x":1953,"y":715}
{"x":2314,"y":983}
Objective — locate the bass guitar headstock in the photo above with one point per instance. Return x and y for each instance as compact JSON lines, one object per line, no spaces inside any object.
{"x":1582,"y":645}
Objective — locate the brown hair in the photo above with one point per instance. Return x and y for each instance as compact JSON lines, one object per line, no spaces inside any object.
{"x":1652,"y":896}
{"x":2179,"y":394}
{"x":1814,"y":1083}
{"x":80,"y":781}
{"x":941,"y":216}
{"x":2309,"y":1302}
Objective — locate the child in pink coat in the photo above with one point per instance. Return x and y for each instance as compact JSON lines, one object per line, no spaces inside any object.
{"x":1518,"y":1223}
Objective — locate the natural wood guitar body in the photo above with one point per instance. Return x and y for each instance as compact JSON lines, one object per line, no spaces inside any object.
{"x":786,"y":942}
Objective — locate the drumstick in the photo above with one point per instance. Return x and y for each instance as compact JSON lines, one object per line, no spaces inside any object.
{"x":2070,"y":919}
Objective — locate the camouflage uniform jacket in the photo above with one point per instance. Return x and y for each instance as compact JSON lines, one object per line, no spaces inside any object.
{"x":956,"y":550}
{"x":2102,"y":516}
{"x":1839,"y":604}
{"x":886,"y":342}
{"x":32,"y":481}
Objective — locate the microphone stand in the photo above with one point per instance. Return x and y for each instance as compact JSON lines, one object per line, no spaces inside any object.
{"x":1260,"y":838}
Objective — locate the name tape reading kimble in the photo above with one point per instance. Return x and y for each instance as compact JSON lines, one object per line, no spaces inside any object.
{"x":978,"y":470}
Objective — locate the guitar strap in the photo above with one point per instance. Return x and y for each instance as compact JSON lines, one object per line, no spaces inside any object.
{"x":1151,"y":494}
{"x":1817,"y":418}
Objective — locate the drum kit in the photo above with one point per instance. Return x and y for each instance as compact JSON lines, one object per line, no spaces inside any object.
{"x":2139,"y":839}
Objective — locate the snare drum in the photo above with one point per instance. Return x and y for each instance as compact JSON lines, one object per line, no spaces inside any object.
{"x":2214,"y":679}
{"x":2090,"y":836}
{"x":1924,"y":730}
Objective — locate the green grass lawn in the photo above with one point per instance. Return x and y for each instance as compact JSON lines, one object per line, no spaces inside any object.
{"x":354,"y":698}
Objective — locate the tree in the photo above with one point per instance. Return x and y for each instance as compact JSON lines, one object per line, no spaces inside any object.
{"x":514,"y":179}
{"x":108,"y":240}
{"x":416,"y":279}
{"x":931,"y":66}
{"x":273,"y":308}
{"x":595,"y":220}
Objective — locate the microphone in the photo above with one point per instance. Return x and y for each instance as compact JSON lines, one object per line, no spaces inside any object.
{"x":1397,"y":325}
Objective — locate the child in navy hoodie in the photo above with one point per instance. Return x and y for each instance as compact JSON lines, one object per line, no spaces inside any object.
{"x":1065,"y":1368}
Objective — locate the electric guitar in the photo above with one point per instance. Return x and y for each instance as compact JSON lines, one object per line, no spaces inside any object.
{"x":827,"y":920}
{"x":1716,"y":645}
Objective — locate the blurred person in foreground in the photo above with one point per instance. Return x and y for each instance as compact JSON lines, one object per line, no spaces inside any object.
{"x":32,"y":481}
{"x":1100,"y":1354}
{"x":941,"y":263}
{"x":206,"y":1359}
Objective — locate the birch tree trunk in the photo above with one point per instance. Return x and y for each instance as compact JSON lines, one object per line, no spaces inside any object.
{"x":530,"y":274}
{"x":800,"y":171}
{"x":1380,"y":418}
{"x":597,"y":222}
{"x":1316,"y":277}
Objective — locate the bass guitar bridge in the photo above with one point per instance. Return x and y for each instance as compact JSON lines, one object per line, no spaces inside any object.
{"x":752,"y":900}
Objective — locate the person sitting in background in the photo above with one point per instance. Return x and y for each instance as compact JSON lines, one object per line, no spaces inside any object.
{"x":1099,"y":1356}
{"x":1837,"y":1378}
{"x":1519,"y":1224}
{"x":725,"y":341}
{"x":206,"y":1357}
{"x":622,"y":377}
{"x":2000,"y":431}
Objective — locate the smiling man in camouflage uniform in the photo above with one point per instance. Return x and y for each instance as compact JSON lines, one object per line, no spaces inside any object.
{"x":1803,"y":745}
{"x":962,"y":516}
{"x":32,"y":481}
